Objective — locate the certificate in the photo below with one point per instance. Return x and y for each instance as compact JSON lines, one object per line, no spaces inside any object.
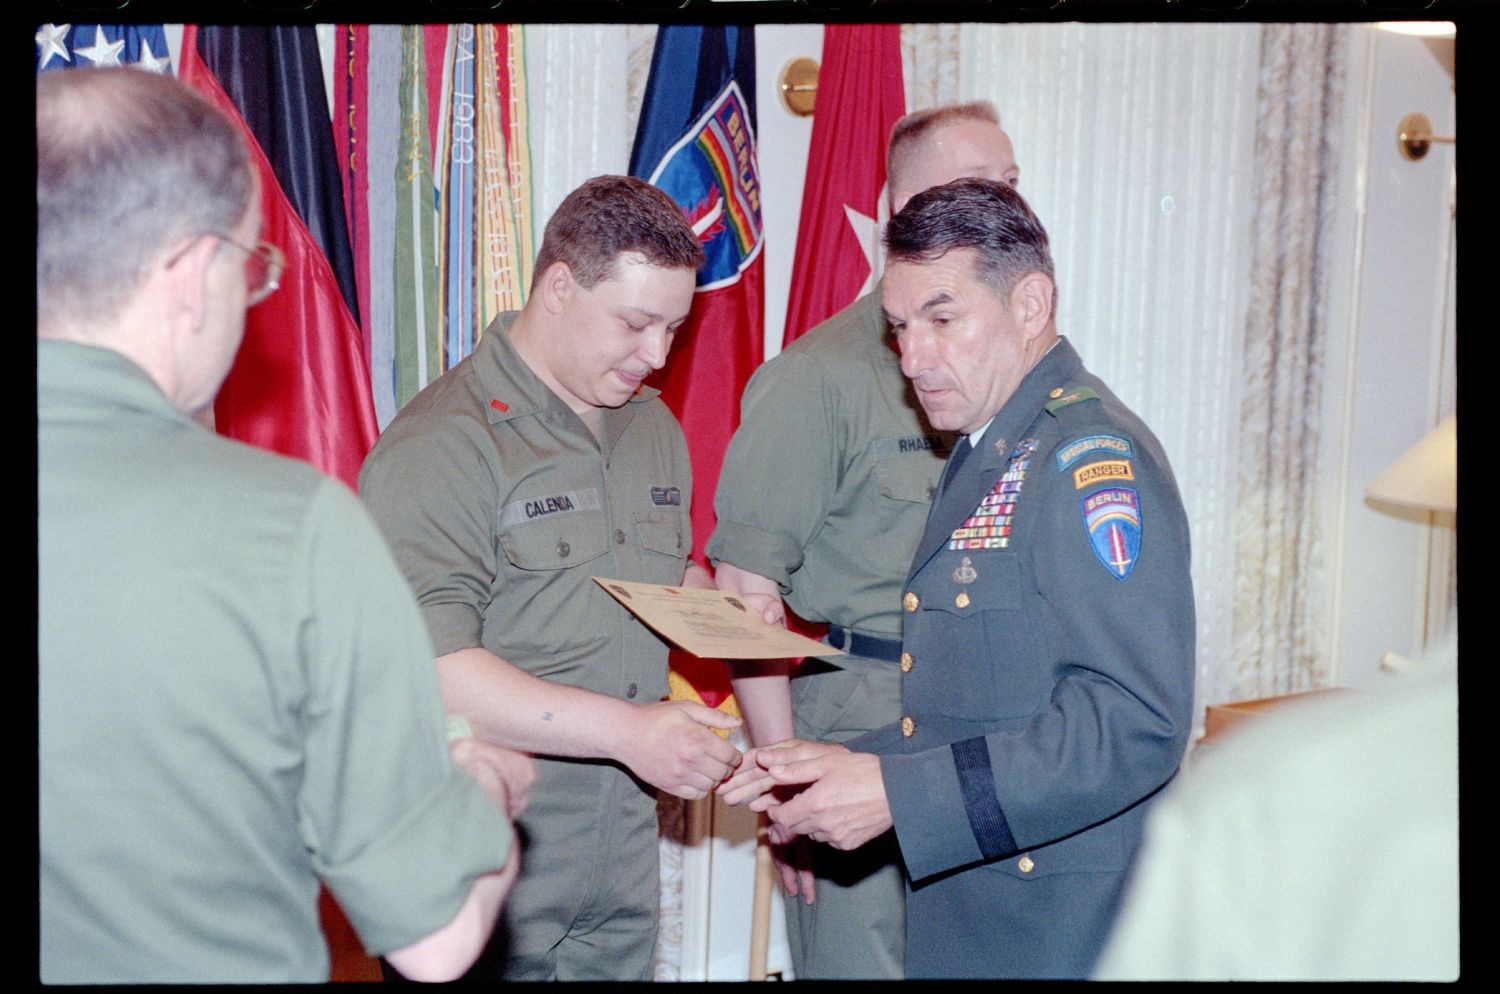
{"x":714,"y":624}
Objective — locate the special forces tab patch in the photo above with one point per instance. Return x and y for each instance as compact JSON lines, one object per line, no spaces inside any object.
{"x":666,"y":496}
{"x":1076,"y":450}
{"x":1112,"y":519}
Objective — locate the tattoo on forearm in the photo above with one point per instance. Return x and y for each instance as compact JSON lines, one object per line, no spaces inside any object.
{"x":546,"y":715}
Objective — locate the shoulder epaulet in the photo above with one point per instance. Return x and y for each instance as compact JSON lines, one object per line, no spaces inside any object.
{"x":1066,"y":398}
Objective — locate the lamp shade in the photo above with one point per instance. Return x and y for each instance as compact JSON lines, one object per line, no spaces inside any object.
{"x":1426,"y":475}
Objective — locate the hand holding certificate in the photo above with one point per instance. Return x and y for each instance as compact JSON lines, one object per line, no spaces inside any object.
{"x":714,"y":624}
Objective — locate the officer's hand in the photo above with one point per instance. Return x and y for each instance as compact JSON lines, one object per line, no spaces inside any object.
{"x":845,"y":803}
{"x":750,"y":780}
{"x":673,"y":746}
{"x":792,"y":856}
{"x":753,"y":779}
{"x":507,"y":775}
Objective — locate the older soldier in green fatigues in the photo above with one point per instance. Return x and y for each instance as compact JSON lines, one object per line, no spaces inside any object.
{"x":833,"y":413}
{"x":533,"y":465}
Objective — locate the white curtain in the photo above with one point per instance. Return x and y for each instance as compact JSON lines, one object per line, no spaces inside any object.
{"x":580,"y":126}
{"x":1278,"y":548}
{"x":929,"y":64}
{"x":1139,"y":151}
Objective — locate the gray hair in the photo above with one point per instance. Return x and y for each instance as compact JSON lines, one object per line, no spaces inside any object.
{"x":128,"y":164}
{"x":988,"y":216}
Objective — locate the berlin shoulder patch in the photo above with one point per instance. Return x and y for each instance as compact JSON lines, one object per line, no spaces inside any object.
{"x":1112,"y":520}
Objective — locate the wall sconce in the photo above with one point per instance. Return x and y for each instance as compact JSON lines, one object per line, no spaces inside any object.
{"x":1414,"y":136}
{"x":799,"y":86}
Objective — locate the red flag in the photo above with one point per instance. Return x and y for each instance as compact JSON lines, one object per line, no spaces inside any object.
{"x":860,"y":96}
{"x":696,"y":140}
{"x":351,"y":130}
{"x":299,"y":385}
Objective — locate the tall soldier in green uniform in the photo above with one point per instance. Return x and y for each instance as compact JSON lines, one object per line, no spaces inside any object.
{"x":1049,"y":621}
{"x":235,"y":695}
{"x":534,"y":464}
{"x":834,"y":415}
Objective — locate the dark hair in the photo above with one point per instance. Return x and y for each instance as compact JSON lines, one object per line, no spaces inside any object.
{"x":988,"y":216}
{"x":911,"y":132}
{"x":611,"y":215}
{"x":128,"y":164}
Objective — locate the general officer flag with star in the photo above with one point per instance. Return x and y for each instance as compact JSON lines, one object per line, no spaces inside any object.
{"x":860,"y":96}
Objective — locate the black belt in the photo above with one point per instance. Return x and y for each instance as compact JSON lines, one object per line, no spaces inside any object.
{"x":859,"y":644}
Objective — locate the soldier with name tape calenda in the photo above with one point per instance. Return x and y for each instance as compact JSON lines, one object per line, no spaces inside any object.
{"x":532,"y":466}
{"x":1047,"y":656}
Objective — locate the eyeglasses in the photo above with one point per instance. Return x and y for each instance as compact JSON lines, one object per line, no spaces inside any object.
{"x":264,"y":265}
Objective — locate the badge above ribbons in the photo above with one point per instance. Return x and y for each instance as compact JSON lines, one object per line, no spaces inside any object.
{"x":1112,"y":519}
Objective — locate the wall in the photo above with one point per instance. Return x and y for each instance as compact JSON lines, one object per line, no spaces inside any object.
{"x":1391,"y":371}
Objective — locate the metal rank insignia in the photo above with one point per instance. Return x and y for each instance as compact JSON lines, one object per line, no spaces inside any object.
{"x":964,"y":575}
{"x":988,"y":526}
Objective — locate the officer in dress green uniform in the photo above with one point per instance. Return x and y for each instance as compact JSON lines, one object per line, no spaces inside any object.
{"x":832,"y":531}
{"x":1049,"y":621}
{"x":531,"y":466}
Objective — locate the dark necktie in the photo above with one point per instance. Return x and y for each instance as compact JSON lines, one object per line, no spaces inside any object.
{"x":961,"y":449}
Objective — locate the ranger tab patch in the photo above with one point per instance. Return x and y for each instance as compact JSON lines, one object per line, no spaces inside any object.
{"x":1101,"y":472}
{"x":1112,"y":519}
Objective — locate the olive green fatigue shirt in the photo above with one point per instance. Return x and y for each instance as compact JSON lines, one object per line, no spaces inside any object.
{"x":825,"y":489}
{"x":500,"y":504}
{"x":236,"y":700}
{"x":826,"y":484}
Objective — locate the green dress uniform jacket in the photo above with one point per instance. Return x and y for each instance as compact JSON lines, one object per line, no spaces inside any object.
{"x":825,"y":489}
{"x":1050,"y":627}
{"x":500,"y":505}
{"x":236,"y":701}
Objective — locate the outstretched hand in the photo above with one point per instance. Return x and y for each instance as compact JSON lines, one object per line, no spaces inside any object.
{"x":673,"y":747}
{"x":843,"y":802}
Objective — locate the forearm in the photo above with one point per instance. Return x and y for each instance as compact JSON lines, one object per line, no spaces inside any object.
{"x":668,"y":744}
{"x":762,"y":686}
{"x":451,"y":950}
{"x":510,"y":707}
{"x":763,"y":689}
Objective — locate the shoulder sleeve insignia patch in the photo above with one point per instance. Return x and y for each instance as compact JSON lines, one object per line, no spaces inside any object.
{"x":1112,"y":520}
{"x":1075,"y":396}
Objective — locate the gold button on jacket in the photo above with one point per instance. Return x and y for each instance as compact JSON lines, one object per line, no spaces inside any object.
{"x":910,"y":601}
{"x":906,"y":662}
{"x":908,"y":727}
{"x":1025,"y":865}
